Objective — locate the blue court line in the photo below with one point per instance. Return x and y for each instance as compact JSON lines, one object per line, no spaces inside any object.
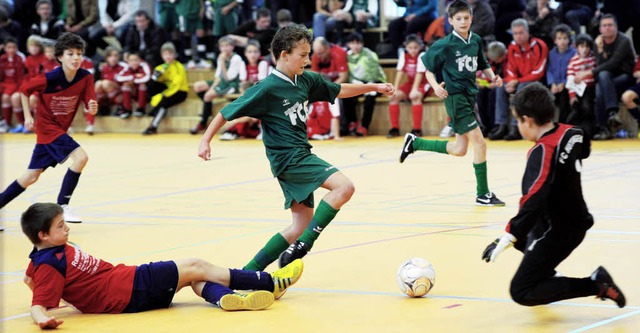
{"x":606,"y":321}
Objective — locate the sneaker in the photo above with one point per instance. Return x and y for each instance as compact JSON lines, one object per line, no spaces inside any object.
{"x":394,"y":132}
{"x":196,"y":129}
{"x":285,"y":277}
{"x":608,"y":288}
{"x":603,"y":134}
{"x":150,"y":131}
{"x":407,"y":146}
{"x":256,"y":300}
{"x":416,"y":132}
{"x":89,"y":129}
{"x":295,"y":251}
{"x":138,"y":112}
{"x":489,"y":199}
{"x":4,"y":128}
{"x":614,"y":120}
{"x":69,"y":215}
{"x":446,"y":132}
{"x":228,"y":136}
{"x":18,"y":129}
{"x":514,"y":134}
{"x":361,"y":131}
{"x":498,"y":132}
{"x":125,"y":114}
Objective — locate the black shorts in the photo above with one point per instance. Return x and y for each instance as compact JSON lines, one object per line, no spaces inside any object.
{"x":154,"y":286}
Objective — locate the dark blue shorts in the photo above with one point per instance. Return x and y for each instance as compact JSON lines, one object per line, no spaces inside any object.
{"x":52,"y":154}
{"x":154,"y":286}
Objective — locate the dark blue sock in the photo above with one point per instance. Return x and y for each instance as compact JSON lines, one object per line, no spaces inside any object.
{"x":10,"y":193}
{"x":250,"y":280}
{"x":213,"y":292}
{"x":69,"y":184}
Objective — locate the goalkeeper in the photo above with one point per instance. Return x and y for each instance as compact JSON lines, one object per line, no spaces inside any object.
{"x":553,"y":217}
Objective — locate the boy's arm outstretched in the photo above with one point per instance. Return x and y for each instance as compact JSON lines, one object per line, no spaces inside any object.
{"x":355,"y":89}
{"x":40,"y":317}
{"x":204,"y":150}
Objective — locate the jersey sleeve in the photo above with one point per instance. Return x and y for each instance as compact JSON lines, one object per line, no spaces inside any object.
{"x":37,"y":84}
{"x":536,"y":186}
{"x":252,"y":104}
{"x":48,"y":286}
{"x":432,"y":59}
{"x":89,"y":91}
{"x":321,"y":89}
{"x":482,"y":60}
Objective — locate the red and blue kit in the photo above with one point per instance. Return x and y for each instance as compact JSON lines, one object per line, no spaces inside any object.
{"x":89,"y":284}
{"x":58,"y":101}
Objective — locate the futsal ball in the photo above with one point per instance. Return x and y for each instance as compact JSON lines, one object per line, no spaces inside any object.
{"x":416,"y":277}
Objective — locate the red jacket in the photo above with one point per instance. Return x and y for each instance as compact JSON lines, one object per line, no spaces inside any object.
{"x":528,"y":64}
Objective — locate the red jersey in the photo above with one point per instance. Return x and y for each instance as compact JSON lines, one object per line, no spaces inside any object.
{"x":257,"y":72}
{"x":319,"y":120}
{"x":108,"y":72}
{"x":89,"y":284}
{"x":34,"y":65}
{"x":11,"y":69}
{"x":59,"y":100}
{"x":578,"y":64}
{"x":336,"y":64}
{"x":409,"y":65}
{"x":526,"y":64}
{"x":87,"y":64}
{"x":142,"y":74}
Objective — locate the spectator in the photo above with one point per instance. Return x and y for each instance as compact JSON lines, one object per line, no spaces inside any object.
{"x":417,"y":17}
{"x":225,"y":17}
{"x":615,"y":60}
{"x":323,"y":19}
{"x":11,"y":76}
{"x":631,"y":96}
{"x":107,"y":87}
{"x":505,"y":12}
{"x":484,"y":21}
{"x":48,"y":26}
{"x":134,"y":78}
{"x":626,"y":13}
{"x":559,"y":58}
{"x":11,"y":28}
{"x":259,"y":29}
{"x":330,"y":61}
{"x":292,"y":5}
{"x":34,"y":64}
{"x":542,"y":20}
{"x":81,"y":15}
{"x":579,"y":73}
{"x":363,"y":12}
{"x":284,"y":18}
{"x":486,"y":100}
{"x":526,"y":63}
{"x":576,"y":12}
{"x":115,"y":20}
{"x":144,"y":37}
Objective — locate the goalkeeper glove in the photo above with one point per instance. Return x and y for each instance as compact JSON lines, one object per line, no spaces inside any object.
{"x":496,"y":247}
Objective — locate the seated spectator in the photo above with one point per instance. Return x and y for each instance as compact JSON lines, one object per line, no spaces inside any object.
{"x":357,"y":14}
{"x":319,"y":121}
{"x":259,"y":29}
{"x":505,"y":12}
{"x":12,"y":70}
{"x":115,"y":20}
{"x":34,"y":64}
{"x":417,"y":17}
{"x":615,"y":60}
{"x":49,"y":52}
{"x":576,"y":12}
{"x":48,"y":26}
{"x":11,"y":29}
{"x":81,"y":15}
{"x":144,"y":37}
{"x":486,"y":99}
{"x":558,"y":62}
{"x":133,"y":79}
{"x":330,"y":61}
{"x":582,"y":86}
{"x":484,"y":21}
{"x":323,"y":19}
{"x":542,"y":20}
{"x":107,"y":87}
{"x":631,"y":97}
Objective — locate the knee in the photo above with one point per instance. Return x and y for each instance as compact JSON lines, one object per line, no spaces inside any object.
{"x":604,"y":76}
{"x":458,"y":150}
{"x":628,"y":98}
{"x":519,"y":295}
{"x":347,"y":190}
{"x":28,"y":179}
{"x":80,"y":160}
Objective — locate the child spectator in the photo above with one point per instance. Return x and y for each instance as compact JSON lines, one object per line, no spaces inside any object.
{"x":364,"y":67}
{"x":557,"y":65}
{"x":581,"y":85}
{"x":50,"y":61}
{"x":631,"y":95}
{"x":330,"y":61}
{"x":407,"y":67}
{"x":230,"y":71}
{"x":134,"y":78}
{"x":319,"y":121}
{"x":486,"y":99}
{"x":168,"y":86}
{"x":11,"y":75}
{"x":107,"y":87}
{"x":34,"y":64}
{"x":92,"y":285}
{"x":67,"y":87}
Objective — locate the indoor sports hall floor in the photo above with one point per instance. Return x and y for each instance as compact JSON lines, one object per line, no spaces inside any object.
{"x":151,"y":198}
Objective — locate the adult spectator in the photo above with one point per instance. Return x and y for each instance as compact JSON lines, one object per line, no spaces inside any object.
{"x":357,"y":14}
{"x":323,"y":19}
{"x":576,"y":12}
{"x":10,"y":28}
{"x":116,"y":18}
{"x":144,"y":37}
{"x":484,"y":22}
{"x":542,"y":20}
{"x":506,"y":11}
{"x":82,"y":14}
{"x":48,"y":26}
{"x":613,"y":72}
{"x":330,"y":61}
{"x":416,"y":20}
{"x":259,"y":29}
{"x":627,"y":13}
{"x":526,"y":63}
{"x":292,"y":5}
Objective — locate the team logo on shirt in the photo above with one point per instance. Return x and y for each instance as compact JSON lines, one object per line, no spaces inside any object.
{"x":297,"y":111}
{"x":285,"y":102}
{"x":468,"y":63}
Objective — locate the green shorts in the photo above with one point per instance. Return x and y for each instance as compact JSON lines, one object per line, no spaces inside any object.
{"x":460,"y":109}
{"x":304,"y":174}
{"x":189,"y":24}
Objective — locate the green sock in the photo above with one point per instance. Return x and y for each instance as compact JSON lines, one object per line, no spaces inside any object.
{"x":482,"y":185}
{"x":323,"y":216}
{"x":268,"y":254}
{"x":439,"y":146}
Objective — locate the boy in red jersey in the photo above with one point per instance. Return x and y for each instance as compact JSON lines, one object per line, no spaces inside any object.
{"x":33,"y":63}
{"x":553,"y":218}
{"x":50,"y":63}
{"x":107,"y":87}
{"x":60,"y":271}
{"x":134,"y":78}
{"x":581,"y":85}
{"x":61,"y":92}
{"x":11,"y":73}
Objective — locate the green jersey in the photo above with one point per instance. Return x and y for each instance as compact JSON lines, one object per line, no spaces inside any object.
{"x":459,"y":60}
{"x":281,"y":105}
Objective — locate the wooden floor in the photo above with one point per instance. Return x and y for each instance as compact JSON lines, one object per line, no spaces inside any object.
{"x":151,"y":198}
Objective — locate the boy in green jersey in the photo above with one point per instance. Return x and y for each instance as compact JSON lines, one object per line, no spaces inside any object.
{"x":280,"y":102}
{"x":458,"y":56}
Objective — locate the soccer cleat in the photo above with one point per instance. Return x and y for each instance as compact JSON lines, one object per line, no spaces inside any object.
{"x":407,"y":147}
{"x":89,"y":129}
{"x":256,"y":300}
{"x":608,"y":288}
{"x":416,"y":132}
{"x":489,"y":199}
{"x":286,"y":277}
{"x":69,"y":215}
{"x":394,"y":132}
{"x":295,"y":251}
{"x":150,"y":130}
